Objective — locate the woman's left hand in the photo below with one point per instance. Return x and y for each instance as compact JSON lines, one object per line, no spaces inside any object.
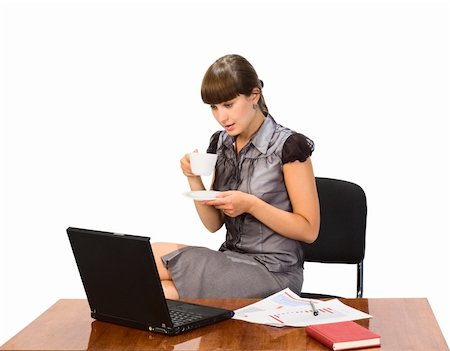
{"x":232,"y":203}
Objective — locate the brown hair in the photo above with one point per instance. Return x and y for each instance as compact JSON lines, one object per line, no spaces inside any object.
{"x":228,"y":77}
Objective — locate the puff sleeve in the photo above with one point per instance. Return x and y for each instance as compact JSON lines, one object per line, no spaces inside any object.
{"x":297,"y":147}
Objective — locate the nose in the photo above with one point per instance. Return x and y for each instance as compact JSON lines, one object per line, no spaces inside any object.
{"x":221,"y":115}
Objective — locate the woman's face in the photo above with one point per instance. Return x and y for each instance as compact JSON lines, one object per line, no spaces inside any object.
{"x":236,"y":116}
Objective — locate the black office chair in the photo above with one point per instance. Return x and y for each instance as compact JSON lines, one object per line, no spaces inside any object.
{"x":342,"y":235}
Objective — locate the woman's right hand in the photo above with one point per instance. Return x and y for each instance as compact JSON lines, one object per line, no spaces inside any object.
{"x":211,"y":218}
{"x":185,"y":164}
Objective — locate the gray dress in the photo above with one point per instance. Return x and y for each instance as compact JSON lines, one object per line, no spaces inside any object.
{"x":254,"y":261}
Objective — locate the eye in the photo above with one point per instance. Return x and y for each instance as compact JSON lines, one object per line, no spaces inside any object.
{"x":228,"y":104}
{"x":213,"y":107}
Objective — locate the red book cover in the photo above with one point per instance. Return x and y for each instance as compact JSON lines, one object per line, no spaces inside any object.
{"x":343,"y":335}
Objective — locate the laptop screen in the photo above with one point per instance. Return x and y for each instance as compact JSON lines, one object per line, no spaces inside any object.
{"x":120,"y":277}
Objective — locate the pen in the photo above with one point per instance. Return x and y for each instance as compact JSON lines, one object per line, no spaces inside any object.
{"x":315,"y":312}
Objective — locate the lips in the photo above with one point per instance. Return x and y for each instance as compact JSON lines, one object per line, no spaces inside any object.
{"x":229,"y":126}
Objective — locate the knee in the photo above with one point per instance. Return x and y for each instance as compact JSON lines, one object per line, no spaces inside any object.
{"x":163,"y":248}
{"x":170,"y":292}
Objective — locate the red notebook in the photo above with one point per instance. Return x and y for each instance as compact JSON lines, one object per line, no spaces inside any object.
{"x":343,"y":335}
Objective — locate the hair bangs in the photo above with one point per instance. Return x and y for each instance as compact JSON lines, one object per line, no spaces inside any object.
{"x":218,"y":88}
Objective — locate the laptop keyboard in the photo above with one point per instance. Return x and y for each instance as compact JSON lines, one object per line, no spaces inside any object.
{"x":183,"y":317}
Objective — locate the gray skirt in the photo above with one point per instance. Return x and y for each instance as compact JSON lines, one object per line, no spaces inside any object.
{"x":199,"y":272}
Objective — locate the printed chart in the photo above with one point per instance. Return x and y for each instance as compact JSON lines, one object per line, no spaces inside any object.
{"x":285,"y":308}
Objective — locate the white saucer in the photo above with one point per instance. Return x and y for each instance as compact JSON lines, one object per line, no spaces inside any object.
{"x":202,"y":195}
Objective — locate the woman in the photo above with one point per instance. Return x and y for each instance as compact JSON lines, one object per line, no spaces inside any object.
{"x":268,"y":200}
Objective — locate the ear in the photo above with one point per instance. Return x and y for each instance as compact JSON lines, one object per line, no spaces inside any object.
{"x":255,"y":95}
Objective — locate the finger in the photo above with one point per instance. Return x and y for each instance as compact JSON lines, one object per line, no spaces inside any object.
{"x":185,"y":164}
{"x":217,"y":202}
{"x":229,"y":213}
{"x":222,"y":208}
{"x":224,"y":194}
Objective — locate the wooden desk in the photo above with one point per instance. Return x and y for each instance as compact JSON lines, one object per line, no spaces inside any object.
{"x":404,"y":324}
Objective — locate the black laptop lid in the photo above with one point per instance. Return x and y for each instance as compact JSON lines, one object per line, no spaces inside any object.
{"x":120,"y":277}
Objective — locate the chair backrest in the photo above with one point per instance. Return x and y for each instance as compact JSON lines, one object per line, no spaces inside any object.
{"x":342,"y":235}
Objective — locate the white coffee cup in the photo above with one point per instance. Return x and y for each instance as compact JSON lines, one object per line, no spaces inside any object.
{"x":201,"y":163}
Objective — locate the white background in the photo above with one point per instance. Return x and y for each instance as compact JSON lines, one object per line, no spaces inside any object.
{"x":100,"y":100}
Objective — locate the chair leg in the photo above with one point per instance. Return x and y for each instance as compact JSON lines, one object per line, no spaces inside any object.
{"x":359,"y":280}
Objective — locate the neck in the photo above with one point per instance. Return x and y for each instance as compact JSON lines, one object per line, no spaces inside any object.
{"x":243,"y":138}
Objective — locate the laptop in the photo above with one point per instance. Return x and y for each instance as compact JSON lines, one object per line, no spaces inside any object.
{"x":122,"y":285}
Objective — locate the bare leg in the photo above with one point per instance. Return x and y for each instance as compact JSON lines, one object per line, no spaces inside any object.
{"x":159,"y":250}
{"x":170,"y":292}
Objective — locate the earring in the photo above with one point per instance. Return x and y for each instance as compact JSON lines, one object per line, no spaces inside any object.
{"x":255,"y":106}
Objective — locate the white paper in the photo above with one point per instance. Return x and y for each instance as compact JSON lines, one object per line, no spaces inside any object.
{"x":286,"y":308}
